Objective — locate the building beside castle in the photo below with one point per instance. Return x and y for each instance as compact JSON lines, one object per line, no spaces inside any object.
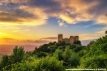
{"x":70,"y":40}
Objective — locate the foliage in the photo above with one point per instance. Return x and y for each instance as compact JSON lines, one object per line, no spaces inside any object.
{"x":57,"y":56}
{"x":70,"y":58}
{"x":77,"y":42}
{"x":44,"y":64}
{"x":97,"y":55}
{"x":4,"y":61}
{"x":49,"y":64}
{"x":0,"y":57}
{"x":17,"y":55}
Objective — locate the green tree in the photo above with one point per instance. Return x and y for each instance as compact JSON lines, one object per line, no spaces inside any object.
{"x":58,"y":54}
{"x":96,"y":56}
{"x":49,"y":64}
{"x":17,"y":55}
{"x":74,"y":59}
{"x":43,"y":64}
{"x":77,"y":42}
{"x":66,"y":55}
{"x":4,"y":62}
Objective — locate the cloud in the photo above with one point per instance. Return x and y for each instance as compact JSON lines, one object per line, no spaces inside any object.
{"x":15,"y":16}
{"x":50,"y":38}
{"x":12,"y":41}
{"x":102,"y":19}
{"x":67,"y":18}
{"x":86,"y":38}
{"x":37,"y":12}
{"x":35,"y":41}
{"x":76,"y":11}
{"x":40,"y":16}
{"x":14,"y":1}
{"x":91,"y":36}
{"x":15,"y":41}
{"x":61,"y":23}
{"x":21,"y":14}
{"x":72,"y":13}
{"x":8,"y":41}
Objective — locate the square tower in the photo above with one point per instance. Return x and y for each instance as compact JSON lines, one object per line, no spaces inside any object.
{"x":71,"y":39}
{"x":76,"y":38}
{"x":60,"y":37}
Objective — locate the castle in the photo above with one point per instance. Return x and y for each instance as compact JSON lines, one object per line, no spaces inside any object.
{"x":70,"y":40}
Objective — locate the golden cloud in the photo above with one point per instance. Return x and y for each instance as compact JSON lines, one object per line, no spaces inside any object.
{"x":35,"y":12}
{"x":39,"y":16}
{"x":76,"y":11}
{"x":67,"y":18}
{"x":91,"y":36}
{"x":24,"y":15}
{"x":102,"y":19}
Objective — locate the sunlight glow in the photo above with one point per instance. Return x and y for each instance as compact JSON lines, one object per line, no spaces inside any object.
{"x":6,"y":35}
{"x":1,"y":34}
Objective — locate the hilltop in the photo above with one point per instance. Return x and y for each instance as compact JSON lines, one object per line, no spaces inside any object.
{"x":57,"y":56}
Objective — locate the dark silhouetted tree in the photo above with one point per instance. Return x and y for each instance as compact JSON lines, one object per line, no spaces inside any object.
{"x":4,"y":61}
{"x":17,"y":55}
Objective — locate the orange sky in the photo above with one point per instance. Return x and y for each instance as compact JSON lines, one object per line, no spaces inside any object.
{"x":30,"y":21}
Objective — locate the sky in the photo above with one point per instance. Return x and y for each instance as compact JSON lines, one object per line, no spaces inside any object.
{"x":35,"y":22}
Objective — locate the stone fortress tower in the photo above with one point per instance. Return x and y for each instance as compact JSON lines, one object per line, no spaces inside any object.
{"x":60,"y":37}
{"x":70,"y":40}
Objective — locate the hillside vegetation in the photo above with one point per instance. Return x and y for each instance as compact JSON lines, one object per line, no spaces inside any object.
{"x":57,"y":57}
{"x":0,"y":57}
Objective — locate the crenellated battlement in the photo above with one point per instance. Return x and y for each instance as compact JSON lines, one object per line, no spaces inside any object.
{"x":70,"y":40}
